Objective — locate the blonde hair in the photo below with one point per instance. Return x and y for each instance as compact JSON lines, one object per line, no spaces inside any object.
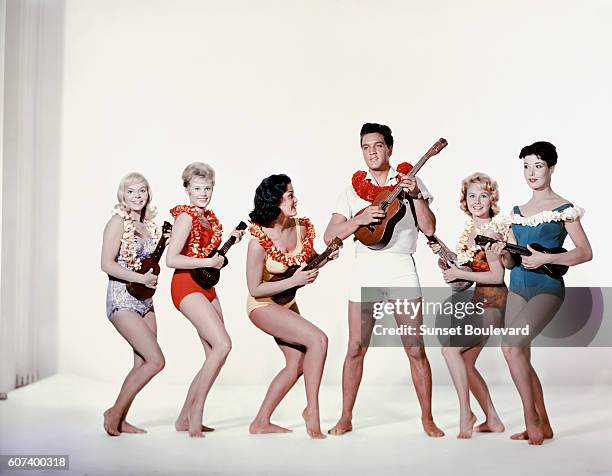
{"x":488,"y":185}
{"x":132,"y":178}
{"x":198,"y":169}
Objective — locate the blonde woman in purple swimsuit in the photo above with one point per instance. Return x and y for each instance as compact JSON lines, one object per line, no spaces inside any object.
{"x":129,"y":237}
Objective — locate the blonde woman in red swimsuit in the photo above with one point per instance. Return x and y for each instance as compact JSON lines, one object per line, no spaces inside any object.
{"x":479,"y":197}
{"x":280,"y":240}
{"x":196,"y":232}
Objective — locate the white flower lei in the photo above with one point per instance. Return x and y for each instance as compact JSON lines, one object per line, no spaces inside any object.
{"x":547,"y":216}
{"x":128,"y":239}
{"x":499,"y":224}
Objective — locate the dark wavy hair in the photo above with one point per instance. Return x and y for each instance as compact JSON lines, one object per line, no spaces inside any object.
{"x":267,"y":198}
{"x":371,"y":127}
{"x":543,"y":150}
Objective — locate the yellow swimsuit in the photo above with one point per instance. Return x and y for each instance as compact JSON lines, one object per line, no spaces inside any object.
{"x":273,"y":267}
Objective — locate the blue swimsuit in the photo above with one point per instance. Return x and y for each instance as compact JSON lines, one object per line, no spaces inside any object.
{"x":528,"y":283}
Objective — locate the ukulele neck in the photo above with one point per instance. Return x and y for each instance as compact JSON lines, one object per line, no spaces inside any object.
{"x":227,"y":245}
{"x":514,"y":249}
{"x":445,"y":253}
{"x":161,"y":244}
{"x":395,"y":193}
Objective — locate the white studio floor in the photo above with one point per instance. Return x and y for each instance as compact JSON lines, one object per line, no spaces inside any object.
{"x":63,"y":415}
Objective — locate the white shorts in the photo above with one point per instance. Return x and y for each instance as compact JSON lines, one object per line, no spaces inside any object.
{"x":395,"y":273}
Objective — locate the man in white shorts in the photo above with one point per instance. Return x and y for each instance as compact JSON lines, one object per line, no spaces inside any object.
{"x":391,"y":266}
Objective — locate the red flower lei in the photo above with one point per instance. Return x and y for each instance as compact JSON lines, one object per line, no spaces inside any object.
{"x":367,"y":190}
{"x":193,"y":246}
{"x":276,"y":253}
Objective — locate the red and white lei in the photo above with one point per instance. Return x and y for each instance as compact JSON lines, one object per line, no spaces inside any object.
{"x":194,"y":248}
{"x":279,"y":255}
{"x":366,"y":190}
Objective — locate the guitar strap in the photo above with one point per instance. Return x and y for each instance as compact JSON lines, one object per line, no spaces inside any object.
{"x":412,"y":209}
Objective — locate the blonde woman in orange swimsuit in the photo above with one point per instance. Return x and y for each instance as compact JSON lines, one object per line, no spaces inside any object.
{"x":196,"y":232}
{"x":279,"y":241}
{"x":478,"y":199}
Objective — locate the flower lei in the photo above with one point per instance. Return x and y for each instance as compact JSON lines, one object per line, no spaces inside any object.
{"x":547,"y":216}
{"x":499,"y":224}
{"x":194,"y":248}
{"x":128,"y":240}
{"x":276,"y":253}
{"x":366,"y":190}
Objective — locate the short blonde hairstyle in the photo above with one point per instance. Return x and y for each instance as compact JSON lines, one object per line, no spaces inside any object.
{"x":130,"y":179}
{"x":198,"y":169}
{"x":488,"y":185}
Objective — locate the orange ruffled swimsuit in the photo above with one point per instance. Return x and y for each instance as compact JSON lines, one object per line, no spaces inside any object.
{"x":490,"y":295}
{"x":182,"y":282}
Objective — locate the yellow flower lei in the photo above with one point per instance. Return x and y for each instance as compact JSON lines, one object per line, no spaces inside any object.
{"x":128,"y":240}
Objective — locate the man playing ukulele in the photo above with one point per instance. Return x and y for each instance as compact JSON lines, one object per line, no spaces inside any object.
{"x":389,"y":267}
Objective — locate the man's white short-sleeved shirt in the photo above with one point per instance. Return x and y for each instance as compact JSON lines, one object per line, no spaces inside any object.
{"x":405,"y":235}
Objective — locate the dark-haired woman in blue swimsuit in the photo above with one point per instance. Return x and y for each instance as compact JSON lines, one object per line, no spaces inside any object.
{"x":534,"y":297}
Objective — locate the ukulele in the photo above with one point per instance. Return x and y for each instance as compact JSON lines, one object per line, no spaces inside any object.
{"x":315,"y":260}
{"x":553,"y":270}
{"x":448,"y":259}
{"x":208,"y":277}
{"x":378,"y":235}
{"x":138,"y":290}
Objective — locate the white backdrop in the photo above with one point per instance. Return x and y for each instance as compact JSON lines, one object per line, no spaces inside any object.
{"x":255,"y":88}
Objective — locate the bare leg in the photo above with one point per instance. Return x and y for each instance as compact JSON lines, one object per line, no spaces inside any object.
{"x":204,"y":317}
{"x":459,"y":375}
{"x":538,"y":396}
{"x":182,"y":422}
{"x":537,"y":313}
{"x":420,"y":371}
{"x":288,"y":326}
{"x":280,"y":385}
{"x":125,"y":426}
{"x":479,"y":389}
{"x":360,"y":331}
{"x":144,"y":342}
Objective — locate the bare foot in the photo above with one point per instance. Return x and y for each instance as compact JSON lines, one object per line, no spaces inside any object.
{"x":535,"y":434}
{"x":195,"y":422}
{"x":431,"y":428}
{"x":183,"y":425}
{"x":111,"y":422}
{"x":466,"y":425}
{"x":313,"y":425}
{"x":546,"y":430}
{"x":491,"y":425}
{"x":126,"y":427}
{"x":257,"y":428}
{"x":342,"y":427}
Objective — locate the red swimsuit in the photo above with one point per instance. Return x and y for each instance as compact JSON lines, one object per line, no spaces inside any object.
{"x":182,"y":282}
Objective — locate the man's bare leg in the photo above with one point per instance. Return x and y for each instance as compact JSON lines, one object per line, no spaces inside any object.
{"x":420,"y":370}
{"x":352,"y":369}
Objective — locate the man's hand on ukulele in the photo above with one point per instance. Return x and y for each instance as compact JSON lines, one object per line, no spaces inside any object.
{"x":435,"y":247}
{"x":372,"y":214}
{"x":409,"y":185}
